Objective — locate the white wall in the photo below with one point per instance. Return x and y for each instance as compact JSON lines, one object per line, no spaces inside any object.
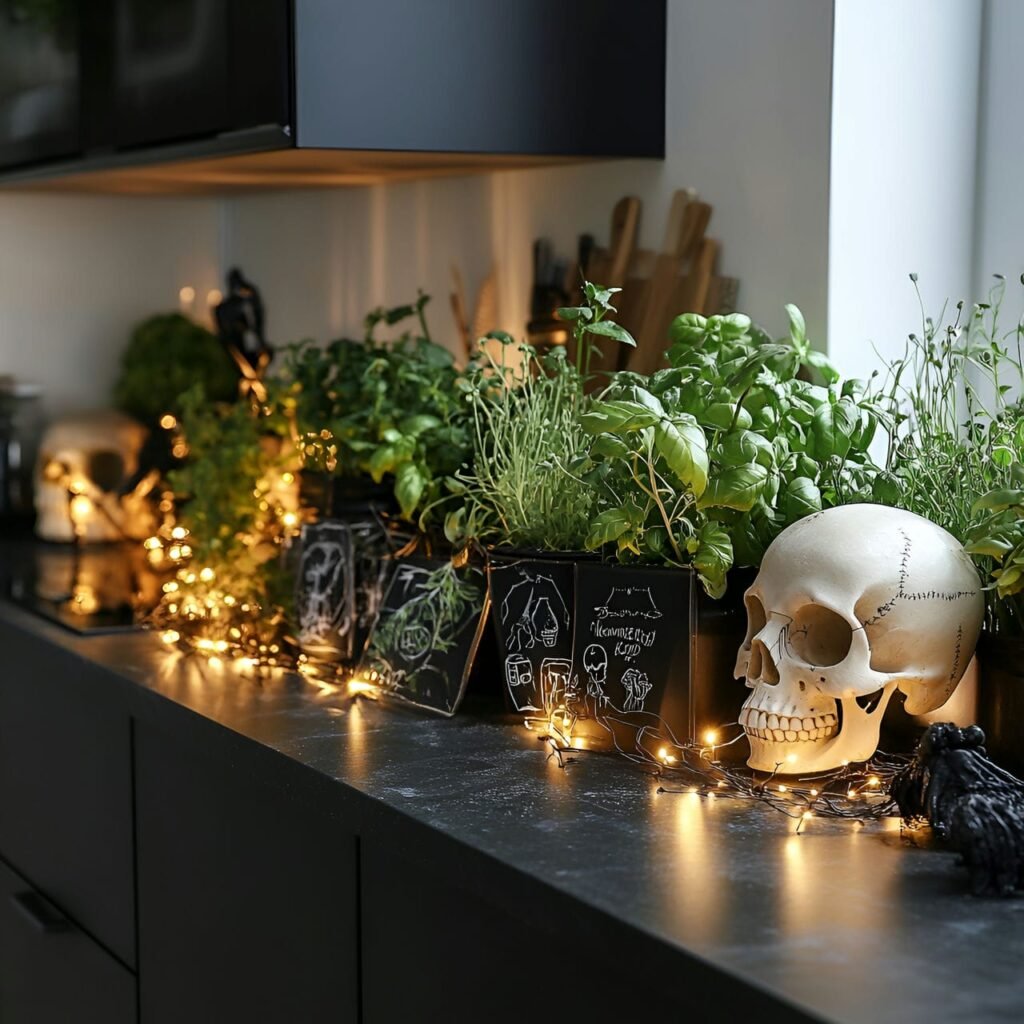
{"x":77,"y":272}
{"x":324,"y":258}
{"x":999,"y":240}
{"x":904,"y":125}
{"x":747,"y":125}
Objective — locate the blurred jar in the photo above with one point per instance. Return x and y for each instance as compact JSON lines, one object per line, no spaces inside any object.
{"x":20,"y":429}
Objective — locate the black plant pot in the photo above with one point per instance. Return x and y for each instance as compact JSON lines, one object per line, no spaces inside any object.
{"x":653,"y":660}
{"x":1001,"y":698}
{"x":410,"y":656}
{"x":532,"y":596}
{"x":345,"y":562}
{"x":344,"y":569}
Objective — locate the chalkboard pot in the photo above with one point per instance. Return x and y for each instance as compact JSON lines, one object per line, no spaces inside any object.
{"x":1001,"y":698}
{"x":532,"y":596}
{"x":325,"y":593}
{"x":653,"y":659}
{"x":425,"y":640}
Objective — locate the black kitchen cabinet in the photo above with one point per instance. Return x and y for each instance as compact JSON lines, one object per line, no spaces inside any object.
{"x":187,"y":69}
{"x":40,"y":83}
{"x":177,"y":94}
{"x":248,"y":900}
{"x":66,"y":793}
{"x":510,"y":959}
{"x":51,"y":972}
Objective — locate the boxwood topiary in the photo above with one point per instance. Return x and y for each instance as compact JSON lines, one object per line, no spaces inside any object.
{"x":166,"y":355}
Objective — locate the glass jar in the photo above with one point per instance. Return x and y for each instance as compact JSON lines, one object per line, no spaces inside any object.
{"x":20,"y":428}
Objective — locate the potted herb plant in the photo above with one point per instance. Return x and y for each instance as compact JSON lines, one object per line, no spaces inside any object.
{"x":519,"y":496}
{"x":381,"y":425}
{"x":236,"y":511}
{"x":696,"y":469}
{"x":997,"y":542}
{"x":956,"y":445}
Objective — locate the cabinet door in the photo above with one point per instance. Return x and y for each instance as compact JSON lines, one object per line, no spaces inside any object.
{"x":186,"y":69}
{"x":247,"y":900}
{"x":40,"y":87}
{"x":434,"y":950}
{"x":50,"y":971}
{"x":66,"y":787}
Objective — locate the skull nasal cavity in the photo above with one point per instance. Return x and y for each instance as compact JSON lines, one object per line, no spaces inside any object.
{"x":761,"y":667}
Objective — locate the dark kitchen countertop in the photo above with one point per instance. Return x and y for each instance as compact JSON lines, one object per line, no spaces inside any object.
{"x":843,"y":922}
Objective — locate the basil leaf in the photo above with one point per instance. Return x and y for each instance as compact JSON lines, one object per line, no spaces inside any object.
{"x":618,"y":416}
{"x":802,"y":498}
{"x":681,"y":444}
{"x":410,"y":483}
{"x":738,"y":487}
{"x":607,"y":329}
{"x":713,"y":558}
{"x":609,"y":526}
{"x":832,"y":429}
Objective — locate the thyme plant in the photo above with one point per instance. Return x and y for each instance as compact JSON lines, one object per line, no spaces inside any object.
{"x":956,"y":433}
{"x":528,"y":432}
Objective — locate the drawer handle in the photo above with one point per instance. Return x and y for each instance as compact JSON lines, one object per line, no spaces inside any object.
{"x":40,"y":913}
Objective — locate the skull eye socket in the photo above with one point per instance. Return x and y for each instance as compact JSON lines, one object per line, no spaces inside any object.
{"x":820,"y":636}
{"x":106,"y":470}
{"x":756,"y":617}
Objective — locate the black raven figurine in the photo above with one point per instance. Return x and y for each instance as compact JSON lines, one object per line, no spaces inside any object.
{"x":240,"y":328}
{"x":974,"y":806}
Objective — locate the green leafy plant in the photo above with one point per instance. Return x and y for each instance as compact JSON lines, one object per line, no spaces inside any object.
{"x":589,"y":321}
{"x":383,"y":410}
{"x":517,"y":490}
{"x":166,"y":356}
{"x":956,"y":435}
{"x":527,"y":431}
{"x":999,"y":537}
{"x":233,"y":453}
{"x":953,"y":414}
{"x":705,"y":462}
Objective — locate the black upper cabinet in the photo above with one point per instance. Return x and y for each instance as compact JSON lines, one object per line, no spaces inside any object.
{"x":570,"y":77}
{"x":40,"y":82}
{"x":190,"y":69}
{"x":148,"y":83}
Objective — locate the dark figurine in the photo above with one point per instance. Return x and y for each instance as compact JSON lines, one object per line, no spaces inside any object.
{"x":240,"y":328}
{"x":974,"y":806}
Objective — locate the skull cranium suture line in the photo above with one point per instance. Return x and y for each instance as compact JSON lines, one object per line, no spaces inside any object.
{"x":849,"y":605}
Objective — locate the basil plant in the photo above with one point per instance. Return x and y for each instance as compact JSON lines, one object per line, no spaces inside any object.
{"x":705,"y":462}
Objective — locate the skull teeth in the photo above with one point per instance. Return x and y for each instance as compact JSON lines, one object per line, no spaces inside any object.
{"x":768,"y":726}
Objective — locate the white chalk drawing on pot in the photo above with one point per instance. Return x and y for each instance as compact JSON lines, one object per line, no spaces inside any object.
{"x":426,"y":635}
{"x":595,"y":664}
{"x":555,"y":675}
{"x":520,"y":682}
{"x":534,"y":612}
{"x":637,"y":686}
{"x":324,"y":595}
{"x":850,"y":605}
{"x":414,"y":641}
{"x":627,"y":603}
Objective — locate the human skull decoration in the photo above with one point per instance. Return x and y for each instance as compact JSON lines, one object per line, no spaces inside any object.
{"x":92,"y":457}
{"x":849,"y":605}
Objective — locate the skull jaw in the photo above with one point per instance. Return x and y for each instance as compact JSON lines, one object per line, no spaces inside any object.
{"x":857,"y":740}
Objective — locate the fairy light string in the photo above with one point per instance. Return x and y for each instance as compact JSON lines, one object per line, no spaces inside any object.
{"x":855,"y":792}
